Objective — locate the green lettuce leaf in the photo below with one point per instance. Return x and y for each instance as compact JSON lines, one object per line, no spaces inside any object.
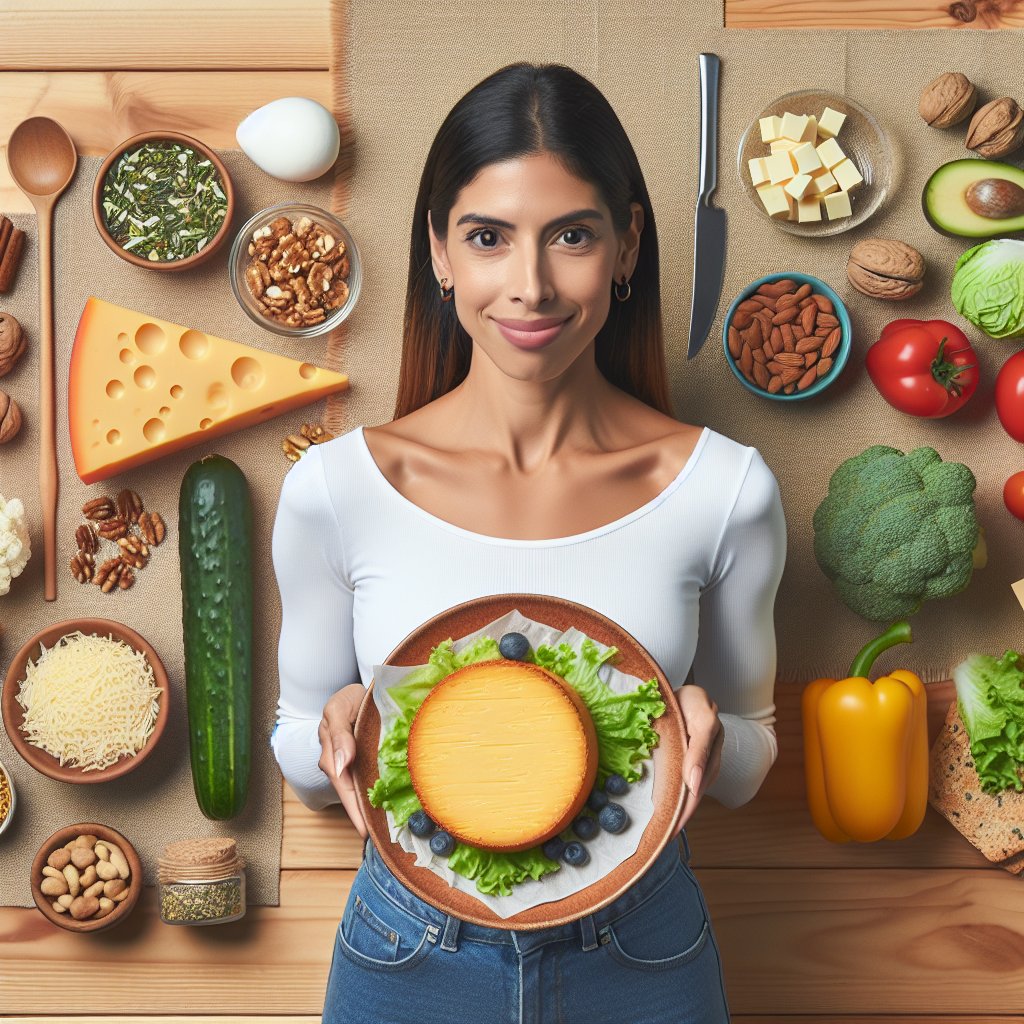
{"x":990,"y":701}
{"x":622,"y":722}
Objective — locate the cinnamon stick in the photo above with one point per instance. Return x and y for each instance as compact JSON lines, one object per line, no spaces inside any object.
{"x":11,"y":258}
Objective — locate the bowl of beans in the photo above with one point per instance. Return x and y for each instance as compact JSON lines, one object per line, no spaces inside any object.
{"x":787,"y":336}
{"x":7,"y":799}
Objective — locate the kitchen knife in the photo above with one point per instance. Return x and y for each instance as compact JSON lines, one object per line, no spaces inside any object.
{"x":709,"y":222}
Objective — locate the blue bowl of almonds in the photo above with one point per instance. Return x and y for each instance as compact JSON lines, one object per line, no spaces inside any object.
{"x":163,"y":201}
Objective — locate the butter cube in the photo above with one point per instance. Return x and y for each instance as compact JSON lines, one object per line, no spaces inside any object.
{"x":774,"y":199}
{"x":810,"y":131}
{"x":806,"y":158}
{"x":824,"y":184}
{"x":847,"y":175}
{"x":783,"y":145}
{"x":830,"y":153}
{"x":758,"y":171}
{"x":808,"y":210}
{"x":779,"y":167}
{"x":830,"y":123}
{"x":771,"y":128}
{"x":793,"y":126}
{"x":799,"y":186}
{"x":838,"y":205}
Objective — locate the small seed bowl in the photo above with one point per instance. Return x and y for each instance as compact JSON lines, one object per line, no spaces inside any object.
{"x":839,"y":357}
{"x":240,"y":261}
{"x":6,"y":820}
{"x":121,"y":910}
{"x":213,"y":244}
{"x":14,"y":715}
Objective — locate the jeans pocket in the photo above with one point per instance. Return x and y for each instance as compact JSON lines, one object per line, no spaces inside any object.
{"x":669,"y":929}
{"x":382,"y":937}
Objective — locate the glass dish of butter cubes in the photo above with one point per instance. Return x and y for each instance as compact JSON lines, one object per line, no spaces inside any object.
{"x":815,"y":163}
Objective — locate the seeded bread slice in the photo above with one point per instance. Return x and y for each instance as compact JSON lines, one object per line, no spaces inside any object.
{"x":992,"y":824}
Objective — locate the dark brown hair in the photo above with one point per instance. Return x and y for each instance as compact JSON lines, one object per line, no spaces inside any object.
{"x":521,"y":110}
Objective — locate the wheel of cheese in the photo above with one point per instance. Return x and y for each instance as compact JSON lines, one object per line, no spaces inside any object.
{"x":502,"y":754}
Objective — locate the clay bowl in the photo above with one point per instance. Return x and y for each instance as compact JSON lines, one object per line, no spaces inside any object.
{"x":669,"y":791}
{"x":208,"y":250}
{"x":14,"y":717}
{"x":121,"y":910}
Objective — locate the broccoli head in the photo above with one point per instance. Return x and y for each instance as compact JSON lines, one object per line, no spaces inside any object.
{"x":896,"y":530}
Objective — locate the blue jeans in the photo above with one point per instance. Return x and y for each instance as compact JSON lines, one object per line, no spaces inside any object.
{"x":650,"y":957}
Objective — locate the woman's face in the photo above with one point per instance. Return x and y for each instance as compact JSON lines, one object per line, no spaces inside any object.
{"x":532,"y":253}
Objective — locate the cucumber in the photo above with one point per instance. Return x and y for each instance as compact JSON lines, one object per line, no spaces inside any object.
{"x":214,"y":547}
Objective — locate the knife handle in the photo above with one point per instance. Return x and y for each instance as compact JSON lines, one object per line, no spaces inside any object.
{"x":709,"y":67}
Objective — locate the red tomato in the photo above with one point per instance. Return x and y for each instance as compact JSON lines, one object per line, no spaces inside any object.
{"x":923,"y":367}
{"x":1010,"y":396}
{"x":1013,"y":494}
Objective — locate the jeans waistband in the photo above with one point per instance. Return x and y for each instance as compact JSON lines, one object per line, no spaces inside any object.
{"x":586,"y":928}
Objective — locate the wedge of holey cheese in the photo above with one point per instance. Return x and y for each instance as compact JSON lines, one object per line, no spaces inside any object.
{"x":140,"y":388}
{"x":503,"y":754}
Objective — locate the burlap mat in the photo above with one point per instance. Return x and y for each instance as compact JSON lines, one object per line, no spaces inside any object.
{"x":156,"y":803}
{"x":405,"y":69}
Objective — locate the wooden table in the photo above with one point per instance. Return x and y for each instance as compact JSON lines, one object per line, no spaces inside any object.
{"x":924,"y":928}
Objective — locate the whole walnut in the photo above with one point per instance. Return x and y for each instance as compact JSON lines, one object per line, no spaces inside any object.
{"x":947,"y":100}
{"x":996,"y":129}
{"x":885,"y":268}
{"x":10,"y":417}
{"x":12,"y":343}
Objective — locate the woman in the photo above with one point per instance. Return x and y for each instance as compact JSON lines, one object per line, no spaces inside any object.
{"x":533,"y":450}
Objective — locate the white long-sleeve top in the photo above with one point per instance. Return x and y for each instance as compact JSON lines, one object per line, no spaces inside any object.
{"x":692,"y":575}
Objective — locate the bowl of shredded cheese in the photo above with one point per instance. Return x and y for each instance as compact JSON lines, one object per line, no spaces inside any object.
{"x":85,"y":700}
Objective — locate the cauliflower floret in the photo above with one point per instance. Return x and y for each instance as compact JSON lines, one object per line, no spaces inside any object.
{"x":14,"y":543}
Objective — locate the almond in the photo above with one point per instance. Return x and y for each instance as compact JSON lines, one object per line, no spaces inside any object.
{"x":807,"y":318}
{"x":824,"y":365}
{"x":774,"y":385}
{"x":831,"y":342}
{"x":735,"y":344}
{"x":807,"y":379}
{"x":789,"y":359}
{"x":824,"y":303}
{"x":809,"y":344}
{"x":761,"y":375}
{"x":777,"y":288}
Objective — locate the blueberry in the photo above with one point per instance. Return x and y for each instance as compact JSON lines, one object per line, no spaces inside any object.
{"x":576,"y":855}
{"x":514,"y":646}
{"x":616,"y":785}
{"x":585,"y":827}
{"x":420,"y":824}
{"x":614,"y":818}
{"x":597,"y":800}
{"x":554,"y":848}
{"x":442,"y":843}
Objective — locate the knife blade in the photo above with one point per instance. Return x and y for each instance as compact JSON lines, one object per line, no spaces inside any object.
{"x":709,"y":227}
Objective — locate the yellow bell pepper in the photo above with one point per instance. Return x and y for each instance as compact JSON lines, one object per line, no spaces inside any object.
{"x":866,"y":749}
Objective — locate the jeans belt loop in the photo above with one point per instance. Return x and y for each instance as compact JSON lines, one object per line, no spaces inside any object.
{"x":684,"y":845}
{"x":450,"y":939}
{"x":588,"y":933}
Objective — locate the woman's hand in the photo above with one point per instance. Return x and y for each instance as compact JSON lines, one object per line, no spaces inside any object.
{"x":702,"y":757}
{"x":339,"y":748}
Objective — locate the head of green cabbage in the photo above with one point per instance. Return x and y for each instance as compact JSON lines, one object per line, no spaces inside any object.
{"x":988,"y":287}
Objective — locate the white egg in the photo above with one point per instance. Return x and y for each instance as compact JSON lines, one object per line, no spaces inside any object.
{"x":293,"y":138}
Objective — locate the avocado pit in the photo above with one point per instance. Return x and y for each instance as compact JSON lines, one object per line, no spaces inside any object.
{"x":995,"y":198}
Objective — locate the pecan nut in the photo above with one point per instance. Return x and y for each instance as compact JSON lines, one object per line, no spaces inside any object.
{"x":108,"y":574}
{"x":98,"y":509}
{"x":12,"y":343}
{"x":996,"y":129}
{"x":111,"y":529}
{"x":83,"y":566}
{"x":152,"y":528}
{"x":10,"y":418}
{"x":947,"y":100}
{"x":85,"y":538}
{"x":884,"y":268}
{"x":133,"y":552}
{"x":129,"y":505}
{"x":126,"y":579}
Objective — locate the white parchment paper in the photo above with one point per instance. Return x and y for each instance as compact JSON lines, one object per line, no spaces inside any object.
{"x":606,"y":851}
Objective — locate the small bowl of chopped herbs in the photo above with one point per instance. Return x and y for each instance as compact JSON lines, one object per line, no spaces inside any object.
{"x":163,"y":201}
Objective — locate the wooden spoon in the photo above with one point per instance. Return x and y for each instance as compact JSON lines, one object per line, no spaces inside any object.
{"x":42,"y":161}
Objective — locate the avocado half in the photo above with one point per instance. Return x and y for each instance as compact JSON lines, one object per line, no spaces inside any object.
{"x":945,"y":205}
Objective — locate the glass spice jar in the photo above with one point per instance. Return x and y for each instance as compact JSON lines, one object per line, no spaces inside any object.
{"x":201,"y":881}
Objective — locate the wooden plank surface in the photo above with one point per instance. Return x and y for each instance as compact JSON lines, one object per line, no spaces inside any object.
{"x":921,"y":931}
{"x":854,"y":14}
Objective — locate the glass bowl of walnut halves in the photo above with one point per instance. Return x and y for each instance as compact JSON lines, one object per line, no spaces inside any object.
{"x":295,"y":270}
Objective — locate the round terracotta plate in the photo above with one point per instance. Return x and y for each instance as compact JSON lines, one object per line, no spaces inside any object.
{"x":668,"y":761}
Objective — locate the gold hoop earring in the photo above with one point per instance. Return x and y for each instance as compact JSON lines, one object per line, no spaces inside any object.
{"x":447,"y":294}
{"x":617,"y":286}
